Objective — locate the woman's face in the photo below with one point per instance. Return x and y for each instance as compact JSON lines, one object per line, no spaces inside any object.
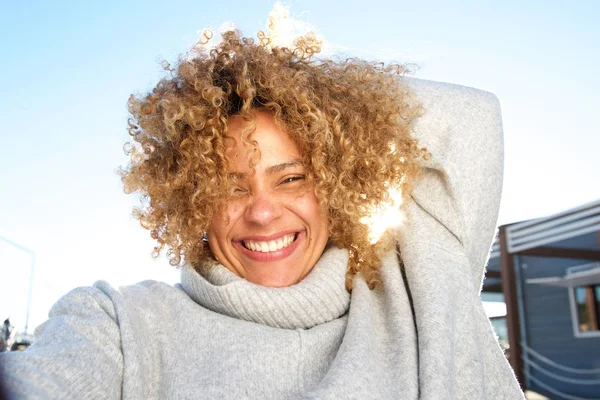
{"x":272,"y":231}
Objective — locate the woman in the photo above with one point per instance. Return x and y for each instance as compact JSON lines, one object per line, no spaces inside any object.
{"x":258,"y":166}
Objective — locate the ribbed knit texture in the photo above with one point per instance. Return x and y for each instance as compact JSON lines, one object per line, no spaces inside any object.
{"x":320,"y":297}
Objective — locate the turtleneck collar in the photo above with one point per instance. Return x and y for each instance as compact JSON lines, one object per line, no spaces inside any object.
{"x":320,"y":297}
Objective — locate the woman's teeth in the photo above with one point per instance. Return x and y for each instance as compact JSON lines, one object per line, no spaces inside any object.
{"x":271,"y":245}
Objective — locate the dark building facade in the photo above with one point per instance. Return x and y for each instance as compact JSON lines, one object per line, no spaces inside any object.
{"x":548,"y":270}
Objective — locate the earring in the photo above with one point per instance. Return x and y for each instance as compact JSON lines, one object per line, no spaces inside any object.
{"x":204,"y":237}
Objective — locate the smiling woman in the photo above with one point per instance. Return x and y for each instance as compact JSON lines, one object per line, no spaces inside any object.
{"x":258,"y":166}
{"x":348,"y":123}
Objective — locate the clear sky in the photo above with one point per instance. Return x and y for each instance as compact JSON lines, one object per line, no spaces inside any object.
{"x":67,"y":69}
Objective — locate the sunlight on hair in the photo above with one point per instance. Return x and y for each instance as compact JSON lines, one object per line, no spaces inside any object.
{"x":385,"y":216}
{"x":283,"y":29}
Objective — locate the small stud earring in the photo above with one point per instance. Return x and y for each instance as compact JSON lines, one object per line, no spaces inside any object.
{"x":204,"y":237}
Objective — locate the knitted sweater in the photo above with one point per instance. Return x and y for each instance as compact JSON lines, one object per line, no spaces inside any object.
{"x":425,"y":335}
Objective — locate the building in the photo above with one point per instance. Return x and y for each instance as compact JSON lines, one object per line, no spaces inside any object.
{"x":548,"y":272}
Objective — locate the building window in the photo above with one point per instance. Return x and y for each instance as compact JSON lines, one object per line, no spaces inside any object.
{"x":587,"y":304}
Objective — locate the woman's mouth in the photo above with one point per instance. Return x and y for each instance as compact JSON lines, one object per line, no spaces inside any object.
{"x":271,"y":250}
{"x":270,"y":246}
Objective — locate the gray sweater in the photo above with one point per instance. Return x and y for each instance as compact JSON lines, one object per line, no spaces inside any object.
{"x":425,"y":335}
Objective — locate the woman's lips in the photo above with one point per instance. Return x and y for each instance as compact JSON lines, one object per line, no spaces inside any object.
{"x":268,"y":256}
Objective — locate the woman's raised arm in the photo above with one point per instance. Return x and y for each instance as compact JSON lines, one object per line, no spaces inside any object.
{"x":462,"y":181}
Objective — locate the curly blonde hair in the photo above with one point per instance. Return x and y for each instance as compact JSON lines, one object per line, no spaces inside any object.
{"x":351,"y":119}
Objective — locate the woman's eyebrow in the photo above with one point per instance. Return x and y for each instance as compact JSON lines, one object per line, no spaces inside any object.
{"x":273,"y":169}
{"x":236,"y":176}
{"x":283,"y":166}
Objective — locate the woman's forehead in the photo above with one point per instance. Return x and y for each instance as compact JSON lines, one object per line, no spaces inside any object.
{"x":262,"y":132}
{"x":268,"y":144}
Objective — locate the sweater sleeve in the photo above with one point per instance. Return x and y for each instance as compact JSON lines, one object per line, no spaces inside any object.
{"x":76,"y":355}
{"x":462,"y":181}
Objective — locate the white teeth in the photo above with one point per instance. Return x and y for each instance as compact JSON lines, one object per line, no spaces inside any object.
{"x":271,"y":245}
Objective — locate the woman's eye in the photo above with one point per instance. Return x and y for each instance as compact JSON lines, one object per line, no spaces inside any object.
{"x":239,"y":191}
{"x":293,"y":179}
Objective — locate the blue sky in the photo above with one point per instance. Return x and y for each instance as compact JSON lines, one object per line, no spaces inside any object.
{"x":68,"y":69}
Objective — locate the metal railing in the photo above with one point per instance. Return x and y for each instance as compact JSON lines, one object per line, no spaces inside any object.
{"x":534,"y":366}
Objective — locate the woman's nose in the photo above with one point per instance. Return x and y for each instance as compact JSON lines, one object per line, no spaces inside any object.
{"x":263,"y":209}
